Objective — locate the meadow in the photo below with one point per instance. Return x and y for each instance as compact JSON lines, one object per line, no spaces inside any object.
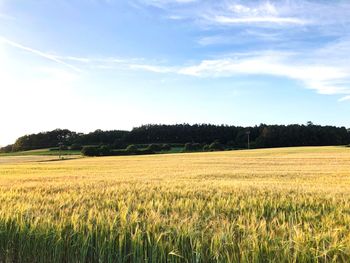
{"x":267,"y":205}
{"x":42,"y":152}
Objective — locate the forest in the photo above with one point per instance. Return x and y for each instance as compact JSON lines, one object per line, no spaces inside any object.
{"x":262,"y":136}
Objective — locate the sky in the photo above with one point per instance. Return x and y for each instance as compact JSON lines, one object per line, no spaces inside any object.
{"x":117,"y":64}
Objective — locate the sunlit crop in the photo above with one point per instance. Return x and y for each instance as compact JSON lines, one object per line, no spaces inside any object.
{"x":279,"y":205}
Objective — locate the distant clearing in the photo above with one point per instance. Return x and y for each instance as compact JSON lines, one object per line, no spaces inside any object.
{"x":41,"y":152}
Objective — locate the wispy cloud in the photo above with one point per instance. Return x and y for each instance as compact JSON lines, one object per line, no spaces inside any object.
{"x":38,"y":53}
{"x":322,"y":78}
{"x":310,"y":40}
{"x":265,"y":12}
{"x":324,"y":70}
{"x":259,"y":13}
{"x":6,"y":17}
{"x":315,"y":71}
{"x":225,"y":20}
{"x":346,"y":98}
{"x":153,"y":68}
{"x":243,"y":37}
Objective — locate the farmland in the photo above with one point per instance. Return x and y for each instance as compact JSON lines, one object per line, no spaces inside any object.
{"x":280,"y":205}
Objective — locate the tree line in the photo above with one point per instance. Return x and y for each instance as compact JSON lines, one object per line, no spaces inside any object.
{"x":262,"y":136}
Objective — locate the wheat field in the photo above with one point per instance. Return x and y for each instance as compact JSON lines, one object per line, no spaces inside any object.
{"x":269,"y":205}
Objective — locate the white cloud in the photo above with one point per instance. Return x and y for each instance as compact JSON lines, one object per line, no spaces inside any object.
{"x":243,"y":37}
{"x":325,"y":77}
{"x":230,"y":12}
{"x":321,"y":70}
{"x":259,"y":13}
{"x":257,"y":19}
{"x":263,"y":13}
{"x":263,"y":9}
{"x":346,"y":98}
{"x":37,"y":52}
{"x":152,"y":68}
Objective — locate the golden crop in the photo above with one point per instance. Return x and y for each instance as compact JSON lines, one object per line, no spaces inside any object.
{"x":279,"y":205}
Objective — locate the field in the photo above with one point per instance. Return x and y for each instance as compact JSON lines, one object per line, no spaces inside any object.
{"x":269,"y":205}
{"x":41,"y":152}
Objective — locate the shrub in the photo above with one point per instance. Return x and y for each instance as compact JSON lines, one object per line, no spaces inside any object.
{"x":190,"y":147}
{"x":166,"y":147}
{"x":216,"y":146}
{"x":206,"y":148}
{"x":90,"y":151}
{"x":104,"y":150}
{"x":6,"y":149}
{"x":131,"y":148}
{"x":154,"y":148}
{"x":177,"y":145}
{"x":119,"y":144}
{"x":231,"y":143}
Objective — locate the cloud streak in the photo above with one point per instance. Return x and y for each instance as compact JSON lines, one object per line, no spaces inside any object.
{"x":346,"y":98}
{"x":224,"y":20}
{"x":38,"y":53}
{"x":314,"y":72}
{"x":324,"y":79}
{"x":259,"y":13}
{"x":324,"y":70}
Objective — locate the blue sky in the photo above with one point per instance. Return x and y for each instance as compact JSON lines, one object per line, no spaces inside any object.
{"x":113,"y":64}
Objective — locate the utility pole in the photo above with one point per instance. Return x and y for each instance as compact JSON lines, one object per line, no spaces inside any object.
{"x":59,"y":149}
{"x":248,"y":133}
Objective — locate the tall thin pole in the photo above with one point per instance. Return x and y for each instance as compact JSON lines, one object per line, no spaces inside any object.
{"x":248,"y":133}
{"x":59,"y":150}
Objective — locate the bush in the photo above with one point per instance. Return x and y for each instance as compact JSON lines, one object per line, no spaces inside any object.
{"x":90,"y":151}
{"x":216,"y":146}
{"x":231,"y":143}
{"x":104,"y":150}
{"x":124,"y":152}
{"x":76,"y":147}
{"x":166,"y":147}
{"x":206,"y":148}
{"x":177,"y":145}
{"x":96,"y":151}
{"x":119,"y":144}
{"x":154,"y":148}
{"x":6,"y":149}
{"x":131,"y":148}
{"x":190,"y":147}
